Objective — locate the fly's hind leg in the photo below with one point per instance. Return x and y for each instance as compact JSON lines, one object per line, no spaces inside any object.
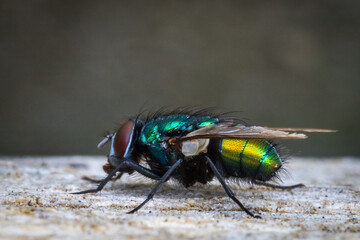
{"x":227,"y":189}
{"x":277,"y":186}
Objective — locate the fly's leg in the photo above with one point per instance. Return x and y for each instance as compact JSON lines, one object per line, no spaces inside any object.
{"x":91,"y":179}
{"x":104,"y":181}
{"x":134,"y":166}
{"x":142,"y":170}
{"x":277,"y":186}
{"x":100,"y":180}
{"x":227,"y":189}
{"x":158,"y":185}
{"x":126,"y":163}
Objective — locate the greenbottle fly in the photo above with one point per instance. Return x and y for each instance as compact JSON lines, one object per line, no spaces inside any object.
{"x":195,"y":146}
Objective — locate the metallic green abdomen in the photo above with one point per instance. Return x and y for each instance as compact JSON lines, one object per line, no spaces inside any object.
{"x":251,"y":158}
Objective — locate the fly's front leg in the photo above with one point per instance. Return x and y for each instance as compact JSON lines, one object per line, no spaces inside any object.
{"x":128,"y":164}
{"x":100,"y":180}
{"x":123,"y":164}
{"x":135,"y":166}
{"x":104,"y":181}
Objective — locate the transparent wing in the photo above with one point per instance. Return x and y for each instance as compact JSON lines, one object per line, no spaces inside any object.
{"x":242,"y":132}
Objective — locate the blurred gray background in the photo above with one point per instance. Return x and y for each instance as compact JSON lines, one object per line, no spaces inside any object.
{"x":73,"y":69}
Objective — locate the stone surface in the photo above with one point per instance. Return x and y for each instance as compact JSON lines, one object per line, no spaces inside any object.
{"x":35,"y":203}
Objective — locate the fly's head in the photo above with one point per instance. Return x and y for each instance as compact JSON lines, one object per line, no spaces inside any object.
{"x":123,"y":141}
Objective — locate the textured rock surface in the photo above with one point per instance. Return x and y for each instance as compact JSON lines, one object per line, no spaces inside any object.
{"x":35,"y":203}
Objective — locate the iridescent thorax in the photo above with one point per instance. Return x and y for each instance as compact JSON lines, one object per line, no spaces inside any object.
{"x":158,"y":131}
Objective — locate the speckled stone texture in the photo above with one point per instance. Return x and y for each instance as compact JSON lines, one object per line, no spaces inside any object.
{"x":36,"y":204}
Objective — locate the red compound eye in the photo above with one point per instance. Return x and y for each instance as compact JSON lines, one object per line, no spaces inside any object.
{"x":122,"y":138}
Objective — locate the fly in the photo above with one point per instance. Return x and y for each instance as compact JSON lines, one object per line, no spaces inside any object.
{"x":196,"y":146}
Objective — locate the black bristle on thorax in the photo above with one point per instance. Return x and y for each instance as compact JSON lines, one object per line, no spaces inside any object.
{"x":192,"y":112}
